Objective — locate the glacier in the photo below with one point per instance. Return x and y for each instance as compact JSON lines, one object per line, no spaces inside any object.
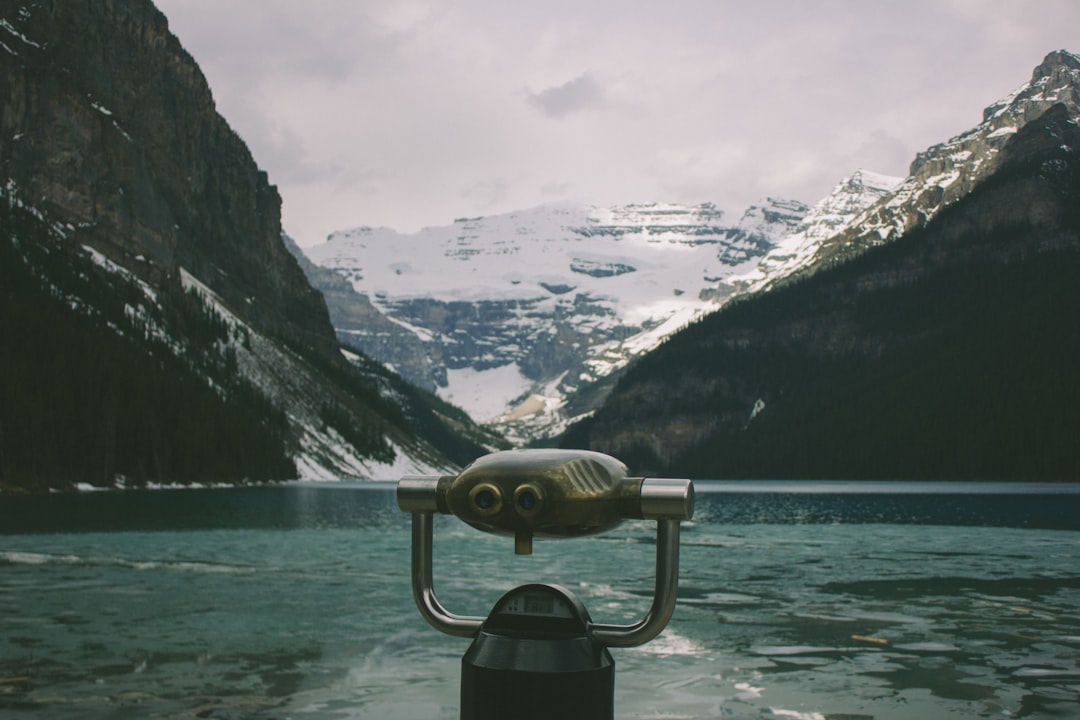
{"x":517,"y":311}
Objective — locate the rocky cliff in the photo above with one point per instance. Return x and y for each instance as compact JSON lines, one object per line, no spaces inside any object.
{"x":109,"y":124}
{"x":110,"y":142}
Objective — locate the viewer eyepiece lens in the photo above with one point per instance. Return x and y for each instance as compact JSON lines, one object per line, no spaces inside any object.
{"x":485,"y":499}
{"x":529,"y":499}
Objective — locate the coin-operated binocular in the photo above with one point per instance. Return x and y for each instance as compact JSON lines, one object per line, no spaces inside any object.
{"x":538,"y":654}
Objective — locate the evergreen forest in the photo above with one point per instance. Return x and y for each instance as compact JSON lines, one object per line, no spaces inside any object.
{"x":90,"y":394}
{"x":947,"y":354}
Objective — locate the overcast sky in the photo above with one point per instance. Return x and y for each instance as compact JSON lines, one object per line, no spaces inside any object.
{"x":408,"y":113}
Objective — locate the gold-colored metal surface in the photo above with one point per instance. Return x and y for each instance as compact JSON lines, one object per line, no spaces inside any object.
{"x":543,"y":493}
{"x":553,"y":493}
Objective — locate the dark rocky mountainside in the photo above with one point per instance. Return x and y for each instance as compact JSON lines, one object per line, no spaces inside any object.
{"x":137,"y":223}
{"x":109,"y":124}
{"x":948,"y":353}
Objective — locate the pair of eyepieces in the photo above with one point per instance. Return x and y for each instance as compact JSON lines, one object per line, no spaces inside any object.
{"x":486,"y":499}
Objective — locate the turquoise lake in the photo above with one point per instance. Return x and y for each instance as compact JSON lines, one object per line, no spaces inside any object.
{"x":814,"y":601}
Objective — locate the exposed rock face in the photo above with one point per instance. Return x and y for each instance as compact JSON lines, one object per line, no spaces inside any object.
{"x":828,"y":218}
{"x":109,"y":123}
{"x":110,"y":138}
{"x":945,"y":172}
{"x":354,"y":316}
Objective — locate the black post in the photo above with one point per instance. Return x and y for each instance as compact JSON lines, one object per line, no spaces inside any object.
{"x":534,"y":659}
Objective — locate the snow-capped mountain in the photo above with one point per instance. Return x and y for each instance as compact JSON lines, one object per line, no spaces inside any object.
{"x":827,"y":219}
{"x":510,"y":313}
{"x":948,"y":353}
{"x":946,"y":172}
{"x":508,"y":316}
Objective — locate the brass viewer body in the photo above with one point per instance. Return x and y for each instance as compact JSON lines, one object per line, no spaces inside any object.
{"x":548,"y":493}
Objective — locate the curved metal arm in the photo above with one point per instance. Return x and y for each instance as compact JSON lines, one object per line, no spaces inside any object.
{"x":664,"y":594}
{"x":666,"y":501}
{"x":423,"y":587}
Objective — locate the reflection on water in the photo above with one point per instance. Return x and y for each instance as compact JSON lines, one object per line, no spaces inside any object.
{"x":294,"y":603}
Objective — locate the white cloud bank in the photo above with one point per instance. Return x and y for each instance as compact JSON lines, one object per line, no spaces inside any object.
{"x":404,"y":114}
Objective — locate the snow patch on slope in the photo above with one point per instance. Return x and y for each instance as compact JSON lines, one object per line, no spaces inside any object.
{"x":485,"y":394}
{"x":830,"y":217}
{"x":323,"y":453}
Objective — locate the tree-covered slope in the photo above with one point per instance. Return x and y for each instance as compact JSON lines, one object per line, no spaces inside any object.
{"x":90,"y":395}
{"x":949,"y":353}
{"x":156,"y":328}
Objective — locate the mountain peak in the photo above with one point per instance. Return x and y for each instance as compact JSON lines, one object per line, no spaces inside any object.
{"x":863,"y":178}
{"x":510,"y":314}
{"x":1053,"y":61}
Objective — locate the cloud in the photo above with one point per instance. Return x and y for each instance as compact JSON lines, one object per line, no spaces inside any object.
{"x":882,"y":152}
{"x":487,"y":193}
{"x":408,"y":113}
{"x":557,"y":188}
{"x":578,"y":94}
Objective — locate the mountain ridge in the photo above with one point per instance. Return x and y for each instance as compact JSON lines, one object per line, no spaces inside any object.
{"x":134,"y":217}
{"x":947,"y":353}
{"x":863,"y":211}
{"x":532,"y":304}
{"x":114,"y":160}
{"x":526,"y":402}
{"x":947,"y":171}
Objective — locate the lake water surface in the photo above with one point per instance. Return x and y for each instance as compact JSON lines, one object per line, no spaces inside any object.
{"x":839,"y":601}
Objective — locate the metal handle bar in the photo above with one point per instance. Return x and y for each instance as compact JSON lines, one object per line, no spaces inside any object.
{"x":666,"y":501}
